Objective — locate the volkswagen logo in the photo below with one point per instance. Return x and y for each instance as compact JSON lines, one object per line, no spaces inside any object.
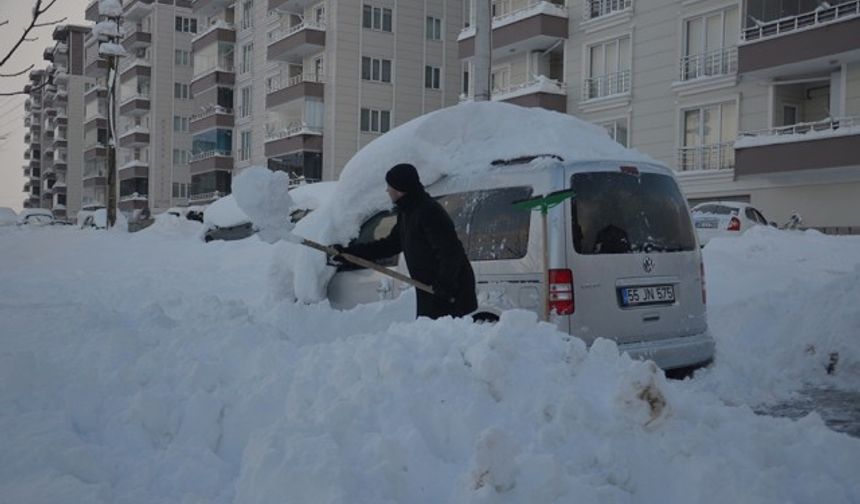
{"x":648,"y":265}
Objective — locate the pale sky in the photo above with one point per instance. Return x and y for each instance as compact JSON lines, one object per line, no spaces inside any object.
{"x":12,"y":108}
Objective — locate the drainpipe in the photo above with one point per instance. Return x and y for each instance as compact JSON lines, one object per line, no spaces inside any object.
{"x":483,"y":52}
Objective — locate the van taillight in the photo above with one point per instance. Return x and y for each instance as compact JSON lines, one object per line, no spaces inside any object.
{"x":561,"y":291}
{"x":702,"y":275}
{"x":735,"y":224}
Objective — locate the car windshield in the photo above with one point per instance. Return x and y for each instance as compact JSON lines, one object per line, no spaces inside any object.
{"x":618,"y":213}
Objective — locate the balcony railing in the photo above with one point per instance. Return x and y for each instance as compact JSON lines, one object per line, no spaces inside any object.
{"x":218,"y":24}
{"x":707,"y":157}
{"x":209,"y":154}
{"x":133,"y":197}
{"x":607,"y":85}
{"x":598,"y":8}
{"x":94,"y":172}
{"x":830,"y":127}
{"x":820,"y":16}
{"x":280,"y":33}
{"x":204,"y":65}
{"x":210,"y":111}
{"x":205,"y":196}
{"x":533,"y":7}
{"x":541,"y":84}
{"x":722,"y":61}
{"x":277,"y":131}
{"x":294,"y":81}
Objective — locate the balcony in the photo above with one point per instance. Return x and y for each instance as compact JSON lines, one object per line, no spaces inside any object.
{"x":218,"y":73}
{"x":137,"y":40}
{"x":606,"y":86}
{"x":205,"y":8}
{"x":94,"y":202}
{"x":137,"y":67}
{"x":133,"y":168}
{"x":96,"y":175}
{"x":97,"y":151}
{"x":211,"y":161}
{"x":294,"y":88}
{"x":706,"y":157}
{"x":290,"y":5}
{"x":541,"y":92}
{"x":831,"y":143}
{"x":286,"y":138}
{"x":598,"y":10}
{"x":534,"y":27}
{"x":96,"y":68}
{"x":48,"y":54}
{"x":136,"y":105}
{"x":134,"y":137}
{"x":135,"y":10}
{"x":805,"y":43}
{"x":296,"y":42}
{"x":211,"y":117}
{"x":207,"y":197}
{"x":219,"y":31}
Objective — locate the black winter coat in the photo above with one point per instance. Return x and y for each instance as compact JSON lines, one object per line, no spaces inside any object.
{"x":434,"y":255}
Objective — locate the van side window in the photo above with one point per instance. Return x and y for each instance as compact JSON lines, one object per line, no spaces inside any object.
{"x":751,"y":214}
{"x":375,"y":228}
{"x":487,"y":223}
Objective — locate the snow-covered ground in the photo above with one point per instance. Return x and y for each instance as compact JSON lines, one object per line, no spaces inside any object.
{"x":154,"y":368}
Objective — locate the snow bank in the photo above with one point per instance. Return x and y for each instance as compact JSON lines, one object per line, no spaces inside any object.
{"x":464,"y":138}
{"x":153,"y":369}
{"x":8,"y":216}
{"x":780,"y":303}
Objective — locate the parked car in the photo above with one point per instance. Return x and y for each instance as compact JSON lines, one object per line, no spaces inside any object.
{"x":724,"y":218}
{"x":35,"y":217}
{"x":96,"y":219}
{"x":8,"y":217}
{"x":627,"y":268}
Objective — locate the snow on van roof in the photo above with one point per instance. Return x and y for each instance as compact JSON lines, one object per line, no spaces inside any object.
{"x":463,"y":139}
{"x":223,"y":213}
{"x":312,"y":196}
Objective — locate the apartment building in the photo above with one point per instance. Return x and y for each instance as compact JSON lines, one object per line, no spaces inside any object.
{"x":63,"y":110}
{"x":302,"y":85}
{"x":33,"y":138}
{"x":754,"y":101}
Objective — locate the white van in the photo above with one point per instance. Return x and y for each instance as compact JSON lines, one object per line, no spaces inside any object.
{"x":624,"y":262}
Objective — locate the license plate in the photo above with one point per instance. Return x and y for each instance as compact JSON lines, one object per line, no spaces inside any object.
{"x":654,"y":294}
{"x":706,"y":225}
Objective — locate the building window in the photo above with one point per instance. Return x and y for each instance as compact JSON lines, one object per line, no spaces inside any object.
{"x":374,"y":69}
{"x":608,"y":69}
{"x":182,"y":58}
{"x":598,"y":8}
{"x":245,"y":146}
{"x":180,"y":157}
{"x":500,"y":80}
{"x":617,"y":130}
{"x":181,"y":91}
{"x":376,"y":18}
{"x":186,"y":25}
{"x":247,"y":58}
{"x":375,"y":121}
{"x":710,"y":46}
{"x":247,"y":14}
{"x":432,"y":77}
{"x":180,"y":124}
{"x":433,"y":28}
{"x":709,"y":135}
{"x":501,"y":8}
{"x":247,"y":99}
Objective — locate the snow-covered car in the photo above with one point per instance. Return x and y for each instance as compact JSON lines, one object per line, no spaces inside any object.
{"x":224,"y":220}
{"x":724,"y":218}
{"x":96,"y":219}
{"x":35,"y":216}
{"x":8,"y":217}
{"x":623,"y":259}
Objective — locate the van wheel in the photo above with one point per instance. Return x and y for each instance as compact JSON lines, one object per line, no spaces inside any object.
{"x":485,"y":317}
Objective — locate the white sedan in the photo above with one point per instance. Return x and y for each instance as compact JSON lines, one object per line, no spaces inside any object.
{"x":724,"y":218}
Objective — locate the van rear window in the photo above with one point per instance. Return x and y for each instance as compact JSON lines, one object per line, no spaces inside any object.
{"x":488,"y":225}
{"x":617,"y":213}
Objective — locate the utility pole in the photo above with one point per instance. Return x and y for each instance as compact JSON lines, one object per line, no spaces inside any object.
{"x":483,"y":48}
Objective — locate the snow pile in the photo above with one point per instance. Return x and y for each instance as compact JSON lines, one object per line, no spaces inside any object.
{"x":224,"y":213}
{"x":112,"y":49}
{"x":110,"y":8}
{"x":457,"y":140}
{"x":312,"y":196}
{"x":264,"y":196}
{"x":781,"y":304}
{"x":8,"y":216}
{"x":169,"y":377}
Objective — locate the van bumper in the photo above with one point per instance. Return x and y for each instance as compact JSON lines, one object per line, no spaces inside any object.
{"x":675,"y":352}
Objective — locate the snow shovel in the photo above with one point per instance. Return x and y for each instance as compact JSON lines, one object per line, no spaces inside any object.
{"x":367,"y":264}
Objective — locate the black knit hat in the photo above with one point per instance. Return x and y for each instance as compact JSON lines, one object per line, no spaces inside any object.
{"x":404,"y":178}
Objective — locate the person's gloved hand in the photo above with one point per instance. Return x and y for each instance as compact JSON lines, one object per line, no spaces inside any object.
{"x":336,"y":260}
